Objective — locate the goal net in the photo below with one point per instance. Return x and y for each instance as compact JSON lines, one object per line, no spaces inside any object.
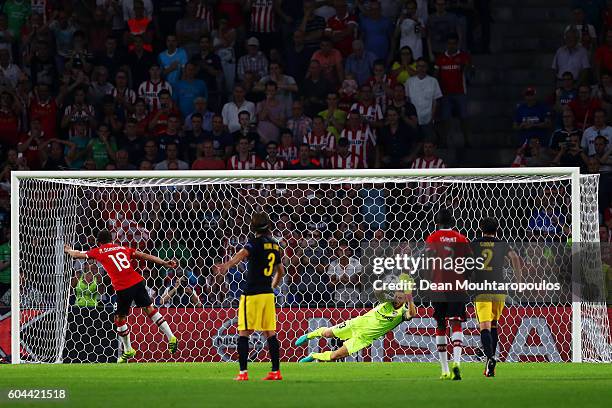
{"x":331,"y":225}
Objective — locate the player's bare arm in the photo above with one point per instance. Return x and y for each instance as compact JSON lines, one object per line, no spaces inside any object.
{"x":516,"y":262}
{"x":240,"y":256}
{"x":278,"y":276}
{"x":74,"y":253}
{"x":171,"y":263}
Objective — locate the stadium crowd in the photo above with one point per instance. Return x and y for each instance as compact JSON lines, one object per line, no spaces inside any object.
{"x":276,"y":84}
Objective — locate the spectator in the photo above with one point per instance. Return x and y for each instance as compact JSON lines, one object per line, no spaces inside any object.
{"x":124,"y":96}
{"x":344,"y":158}
{"x":381,"y":85}
{"x":44,"y":107}
{"x":571,"y":155}
{"x":224,"y":41}
{"x":79,"y":110}
{"x":406,"y":110}
{"x":299,"y":124}
{"x":345,"y":276}
{"x":223,"y":142}
{"x":330,"y":60}
{"x":110,"y":57}
{"x":10,"y":73}
{"x":140,"y":25}
{"x":571,"y":57}
{"x":603,"y":156}
{"x":285,"y":84}
{"x":360,"y":137}
{"x":248,"y":130}
{"x":272,"y":161}
{"x":584,"y":106}
{"x":99,"y":86}
{"x":172,"y":153}
{"x":565,"y":93}
{"x":428,"y":193}
{"x":342,"y":28}
{"x":87,"y":286}
{"x":398,"y":143}
{"x":254,"y":61}
{"x":190,"y":29}
{"x":102,"y":147}
{"x":151,"y":153}
{"x":603,"y":92}
{"x":172,"y":61}
{"x":244,"y":159}
{"x":312,"y":25}
{"x":599,"y":128}
{"x":205,"y":157}
{"x":150,"y":90}
{"x":9,"y":120}
{"x":603,"y":56}
{"x":440,"y":25}
{"x":139,"y":61}
{"x":424,"y":92}
{"x":122,"y":161}
{"x":333,"y":117}
{"x":53,"y":157}
{"x":360,"y":62}
{"x":322,"y":143}
{"x":188,"y":89}
{"x":304,"y":160}
{"x":298,"y":57}
{"x":287,"y":150}
{"x":17,"y":12}
{"x":562,"y":135}
{"x":158,"y":118}
{"x":314,"y":89}
{"x":586,"y":32}
{"x":31,"y":143}
{"x":271,"y":115}
{"x":200,"y":104}
{"x":531,"y":154}
{"x":369,"y":110}
{"x":410,"y":30}
{"x":531,"y":118}
{"x":454,"y":65}
{"x":405,"y":67}
{"x":231,"y":109}
{"x":210,"y":69}
{"x":180,"y":293}
{"x":376,"y":31}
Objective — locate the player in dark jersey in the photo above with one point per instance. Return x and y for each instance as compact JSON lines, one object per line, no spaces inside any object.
{"x":490,"y":304}
{"x":129,"y":286}
{"x":256,"y":311}
{"x":449,"y":305}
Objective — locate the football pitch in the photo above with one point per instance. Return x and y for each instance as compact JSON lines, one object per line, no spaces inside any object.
{"x":311,"y":385}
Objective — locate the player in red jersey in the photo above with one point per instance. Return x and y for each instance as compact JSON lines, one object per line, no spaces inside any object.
{"x":129,"y":285}
{"x":449,"y":304}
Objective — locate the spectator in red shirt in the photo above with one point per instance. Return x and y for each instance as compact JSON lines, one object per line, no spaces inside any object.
{"x":31,"y":144}
{"x":603,"y":56}
{"x":584,"y":106}
{"x":452,"y":66}
{"x":44,"y":107}
{"x":158,"y":119}
{"x":342,"y":28}
{"x":206,"y":159}
{"x":330,"y":60}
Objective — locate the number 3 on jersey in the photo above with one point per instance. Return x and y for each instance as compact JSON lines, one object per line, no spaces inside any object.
{"x":271,"y":259}
{"x":120,"y":260}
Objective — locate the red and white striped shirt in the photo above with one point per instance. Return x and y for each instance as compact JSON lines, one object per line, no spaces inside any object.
{"x":262,"y":16}
{"x":322,"y":142}
{"x":370,"y":113}
{"x":427,"y":192}
{"x":378,"y":88}
{"x":149,"y":91}
{"x":251,"y":163}
{"x":351,"y":161}
{"x":289,"y":153}
{"x":279,"y":164}
{"x":128,"y":94}
{"x":359,"y":140}
{"x":204,"y":12}
{"x":82,"y":113}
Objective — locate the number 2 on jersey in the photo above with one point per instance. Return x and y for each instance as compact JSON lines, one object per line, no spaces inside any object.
{"x":488,"y":256}
{"x":271,"y":258}
{"x":120,"y":260}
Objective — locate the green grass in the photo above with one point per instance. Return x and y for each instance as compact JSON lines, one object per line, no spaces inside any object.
{"x":334,"y":385}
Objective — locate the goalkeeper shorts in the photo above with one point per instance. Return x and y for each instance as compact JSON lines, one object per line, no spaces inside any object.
{"x":489,"y":307}
{"x":352,"y":338}
{"x":257,"y":312}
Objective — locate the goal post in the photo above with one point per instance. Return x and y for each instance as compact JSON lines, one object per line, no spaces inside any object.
{"x":49,"y":209}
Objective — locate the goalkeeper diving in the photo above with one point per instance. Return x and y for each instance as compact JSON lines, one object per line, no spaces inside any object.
{"x":359,"y":332}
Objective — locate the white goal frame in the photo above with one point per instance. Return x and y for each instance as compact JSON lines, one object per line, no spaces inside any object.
{"x":572,"y":173}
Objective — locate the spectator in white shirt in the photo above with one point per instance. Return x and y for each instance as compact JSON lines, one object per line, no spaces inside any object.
{"x":345,"y":276}
{"x":572,"y":57}
{"x":424,"y":91}
{"x":599,"y":128}
{"x":231,"y":110}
